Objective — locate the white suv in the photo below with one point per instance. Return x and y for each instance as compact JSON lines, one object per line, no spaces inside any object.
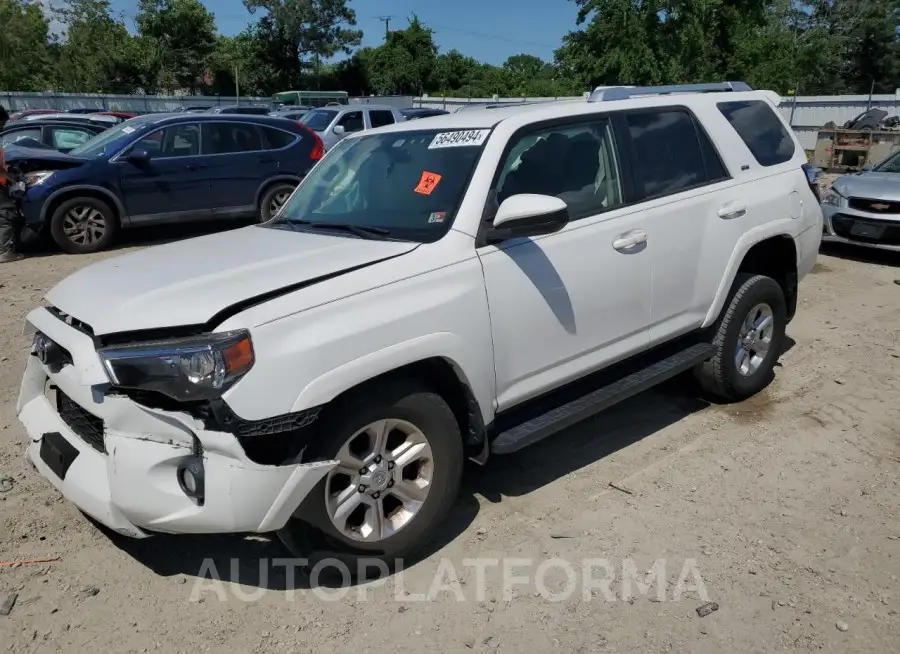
{"x":433,"y":291}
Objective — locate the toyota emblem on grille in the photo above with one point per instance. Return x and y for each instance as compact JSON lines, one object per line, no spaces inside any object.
{"x":878,"y":206}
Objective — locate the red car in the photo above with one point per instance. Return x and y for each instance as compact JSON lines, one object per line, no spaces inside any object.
{"x":30,"y":112}
{"x":124,"y":115}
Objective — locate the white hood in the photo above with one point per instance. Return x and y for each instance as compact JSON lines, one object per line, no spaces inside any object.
{"x":189,"y":282}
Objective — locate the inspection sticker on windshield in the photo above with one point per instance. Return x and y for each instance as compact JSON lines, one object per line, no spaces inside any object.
{"x":127,"y":130}
{"x":459,"y":138}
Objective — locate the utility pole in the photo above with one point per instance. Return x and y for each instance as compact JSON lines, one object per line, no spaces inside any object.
{"x":387,"y":25}
{"x":237,"y":88}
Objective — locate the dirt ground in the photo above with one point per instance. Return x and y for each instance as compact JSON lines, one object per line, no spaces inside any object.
{"x":788,"y":505}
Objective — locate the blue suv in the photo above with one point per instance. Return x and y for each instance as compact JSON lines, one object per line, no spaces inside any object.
{"x":163,"y":168}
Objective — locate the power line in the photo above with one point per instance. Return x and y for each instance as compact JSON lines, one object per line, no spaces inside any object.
{"x":387,"y":25}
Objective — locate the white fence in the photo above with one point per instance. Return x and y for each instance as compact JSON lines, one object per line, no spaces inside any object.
{"x":807,"y":113}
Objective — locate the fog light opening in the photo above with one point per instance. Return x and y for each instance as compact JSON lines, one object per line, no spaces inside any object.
{"x":191,"y":478}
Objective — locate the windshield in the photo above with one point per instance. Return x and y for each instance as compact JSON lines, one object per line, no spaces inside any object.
{"x":407,"y":183}
{"x":108,"y":140}
{"x":889,"y":165}
{"x":319,"y":119}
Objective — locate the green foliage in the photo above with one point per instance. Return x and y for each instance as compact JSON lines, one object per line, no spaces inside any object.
{"x":181,"y":35}
{"x":25,"y":54}
{"x":98,"y":55}
{"x":813,"y":46}
{"x":818,"y":46}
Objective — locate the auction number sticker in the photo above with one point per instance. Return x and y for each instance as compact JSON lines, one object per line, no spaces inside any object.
{"x":459,"y":138}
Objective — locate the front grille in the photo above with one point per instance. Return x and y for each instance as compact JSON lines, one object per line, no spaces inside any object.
{"x":875,"y":206}
{"x":86,"y":426}
{"x":843,"y":227}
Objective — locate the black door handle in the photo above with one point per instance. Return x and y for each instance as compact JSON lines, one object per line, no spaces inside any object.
{"x":193,"y":167}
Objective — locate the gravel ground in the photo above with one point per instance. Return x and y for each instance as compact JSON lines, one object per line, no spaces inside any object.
{"x":783,"y":511}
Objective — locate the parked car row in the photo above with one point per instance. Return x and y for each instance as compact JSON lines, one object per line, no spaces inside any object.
{"x":158,"y":169}
{"x":93,"y":173}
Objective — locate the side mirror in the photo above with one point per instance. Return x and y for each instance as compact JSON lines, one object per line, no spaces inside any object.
{"x":527,"y":215}
{"x":868,"y":167}
{"x":339,"y":129}
{"x":138,"y":157}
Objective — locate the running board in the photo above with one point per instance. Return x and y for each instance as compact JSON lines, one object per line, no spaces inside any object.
{"x":547,"y":424}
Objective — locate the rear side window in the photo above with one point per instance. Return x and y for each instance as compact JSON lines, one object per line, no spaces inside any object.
{"x":381,"y":117}
{"x":762,"y":131}
{"x":670,"y":154}
{"x":275,"y":139}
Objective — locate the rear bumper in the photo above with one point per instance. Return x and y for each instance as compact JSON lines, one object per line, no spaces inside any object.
{"x":128,"y":480}
{"x":839,"y":222}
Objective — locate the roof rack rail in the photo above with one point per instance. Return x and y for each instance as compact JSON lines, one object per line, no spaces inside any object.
{"x":607,"y":93}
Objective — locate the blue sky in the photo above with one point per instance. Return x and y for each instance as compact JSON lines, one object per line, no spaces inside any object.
{"x":489,"y":30}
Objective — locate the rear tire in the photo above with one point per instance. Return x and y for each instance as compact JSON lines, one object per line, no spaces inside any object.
{"x":387,"y":520}
{"x":748,"y":341}
{"x":83,"y":225}
{"x":273,"y":199}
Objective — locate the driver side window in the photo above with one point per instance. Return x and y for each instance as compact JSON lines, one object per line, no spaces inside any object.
{"x":576,"y":163}
{"x":352,"y":121}
{"x":173,"y":141}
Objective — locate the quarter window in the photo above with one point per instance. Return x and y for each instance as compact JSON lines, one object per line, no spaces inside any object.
{"x":761,"y":130}
{"x":275,"y":139}
{"x":576,"y":163}
{"x":668,"y":154}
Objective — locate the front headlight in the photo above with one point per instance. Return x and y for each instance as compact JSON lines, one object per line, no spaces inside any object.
{"x":34,"y":179}
{"x":185,"y":369}
{"x":834,"y":199}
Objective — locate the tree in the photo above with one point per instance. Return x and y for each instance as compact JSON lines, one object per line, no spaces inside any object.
{"x":25,"y":59}
{"x":405,"y":63}
{"x":300,"y":33}
{"x":98,"y":55}
{"x":182,"y":35}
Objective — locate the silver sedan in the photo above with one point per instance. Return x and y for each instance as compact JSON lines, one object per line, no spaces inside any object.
{"x":864,"y":208}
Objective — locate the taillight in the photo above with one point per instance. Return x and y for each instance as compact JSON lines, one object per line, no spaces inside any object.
{"x":318,"y":150}
{"x":812,"y":177}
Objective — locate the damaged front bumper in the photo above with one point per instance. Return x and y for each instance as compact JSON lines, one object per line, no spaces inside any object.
{"x":127,"y":478}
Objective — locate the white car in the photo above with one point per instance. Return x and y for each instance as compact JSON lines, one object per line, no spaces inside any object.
{"x":433,"y":291}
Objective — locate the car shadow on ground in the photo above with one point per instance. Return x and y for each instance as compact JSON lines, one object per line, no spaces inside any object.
{"x":861,"y":254}
{"x":258,"y":561}
{"x":261,"y":561}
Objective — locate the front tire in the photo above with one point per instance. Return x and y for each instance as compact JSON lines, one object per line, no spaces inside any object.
{"x":83,"y":225}
{"x":401,"y":460}
{"x":748,"y":341}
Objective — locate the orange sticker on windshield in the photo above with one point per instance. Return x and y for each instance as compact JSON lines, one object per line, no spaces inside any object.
{"x":428,"y":183}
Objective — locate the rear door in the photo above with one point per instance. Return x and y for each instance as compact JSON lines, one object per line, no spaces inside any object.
{"x":685,"y":190}
{"x":243,"y":157}
{"x":172,"y":186}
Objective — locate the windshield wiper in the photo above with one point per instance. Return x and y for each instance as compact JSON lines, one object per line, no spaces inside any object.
{"x":363,"y":231}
